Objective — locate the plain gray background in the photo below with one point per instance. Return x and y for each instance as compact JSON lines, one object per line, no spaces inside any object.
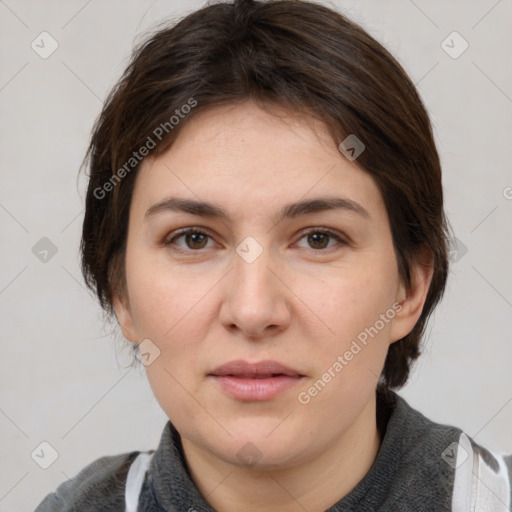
{"x":63,"y":375}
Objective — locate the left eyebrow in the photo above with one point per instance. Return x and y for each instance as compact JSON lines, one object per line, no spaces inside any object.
{"x":321,"y":204}
{"x":288,"y":211}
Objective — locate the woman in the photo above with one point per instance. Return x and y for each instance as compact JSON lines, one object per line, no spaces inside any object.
{"x":265,"y":219}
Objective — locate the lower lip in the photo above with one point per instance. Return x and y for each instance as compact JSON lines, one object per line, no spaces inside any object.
{"x":243,"y":388}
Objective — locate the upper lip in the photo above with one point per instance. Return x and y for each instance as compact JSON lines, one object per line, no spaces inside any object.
{"x":260,"y":369}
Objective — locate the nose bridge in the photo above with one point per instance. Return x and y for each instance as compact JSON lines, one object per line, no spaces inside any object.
{"x":251,"y":273}
{"x":255,"y":298}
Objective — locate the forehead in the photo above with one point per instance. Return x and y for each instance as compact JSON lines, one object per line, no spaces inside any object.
{"x":249,"y":158}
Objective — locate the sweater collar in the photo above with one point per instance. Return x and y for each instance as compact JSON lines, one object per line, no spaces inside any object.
{"x":174,"y":489}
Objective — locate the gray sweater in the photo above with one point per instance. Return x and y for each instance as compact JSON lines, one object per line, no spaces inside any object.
{"x":420,"y":466}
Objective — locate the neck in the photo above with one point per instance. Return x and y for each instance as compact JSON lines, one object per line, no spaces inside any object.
{"x":314,"y":485}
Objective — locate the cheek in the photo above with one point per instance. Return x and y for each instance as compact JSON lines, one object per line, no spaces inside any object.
{"x":175,"y":311}
{"x":357,"y":308}
{"x":354,"y":300}
{"x":167,"y":310}
{"x":163,"y":299}
{"x":348,"y":363}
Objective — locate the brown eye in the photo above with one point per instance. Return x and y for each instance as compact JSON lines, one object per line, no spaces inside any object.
{"x":321,"y":239}
{"x":318,"y":240}
{"x":190,"y":239}
{"x":196,"y":240}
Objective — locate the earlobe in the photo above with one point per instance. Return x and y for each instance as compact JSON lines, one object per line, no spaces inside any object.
{"x":124,"y":318}
{"x":412,"y":300}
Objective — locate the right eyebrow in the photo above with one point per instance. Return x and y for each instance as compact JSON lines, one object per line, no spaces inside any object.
{"x":201,"y":208}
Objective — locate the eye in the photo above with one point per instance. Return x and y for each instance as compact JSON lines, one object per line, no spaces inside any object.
{"x":319,"y":239}
{"x":193,"y":239}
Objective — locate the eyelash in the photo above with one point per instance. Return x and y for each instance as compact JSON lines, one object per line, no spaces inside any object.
{"x":197,"y":230}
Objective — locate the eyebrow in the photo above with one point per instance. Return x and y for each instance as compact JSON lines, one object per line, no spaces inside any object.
{"x":288,"y":211}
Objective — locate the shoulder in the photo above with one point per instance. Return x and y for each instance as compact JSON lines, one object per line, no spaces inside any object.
{"x":102,"y":481}
{"x":413,"y":445}
{"x":444,"y":464}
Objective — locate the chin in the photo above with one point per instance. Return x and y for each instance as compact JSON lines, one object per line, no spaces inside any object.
{"x":261,"y":450}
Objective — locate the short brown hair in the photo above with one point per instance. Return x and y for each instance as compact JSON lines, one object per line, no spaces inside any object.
{"x":304,"y":57}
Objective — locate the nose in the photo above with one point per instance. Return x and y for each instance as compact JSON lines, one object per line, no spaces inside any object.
{"x":256,"y":301}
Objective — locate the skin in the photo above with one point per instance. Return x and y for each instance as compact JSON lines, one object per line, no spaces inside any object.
{"x":301,"y":303}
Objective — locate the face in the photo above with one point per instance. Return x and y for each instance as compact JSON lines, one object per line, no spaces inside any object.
{"x":288,"y":273}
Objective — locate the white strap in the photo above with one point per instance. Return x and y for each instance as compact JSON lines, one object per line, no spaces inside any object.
{"x":477,"y":487}
{"x":135,"y":479}
{"x":463,"y":496}
{"x":493,"y":489}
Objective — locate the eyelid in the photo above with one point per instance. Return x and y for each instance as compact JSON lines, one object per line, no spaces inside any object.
{"x":185,"y":231}
{"x":342,"y":240}
{"x":328,"y":231}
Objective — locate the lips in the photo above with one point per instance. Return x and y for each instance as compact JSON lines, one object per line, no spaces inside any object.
{"x":252,"y":382}
{"x":261,"y":370}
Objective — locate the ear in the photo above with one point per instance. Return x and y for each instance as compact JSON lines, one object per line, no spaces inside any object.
{"x":124,"y":318}
{"x":411,"y":300}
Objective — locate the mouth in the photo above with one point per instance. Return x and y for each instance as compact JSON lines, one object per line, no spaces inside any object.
{"x":260,"y":381}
